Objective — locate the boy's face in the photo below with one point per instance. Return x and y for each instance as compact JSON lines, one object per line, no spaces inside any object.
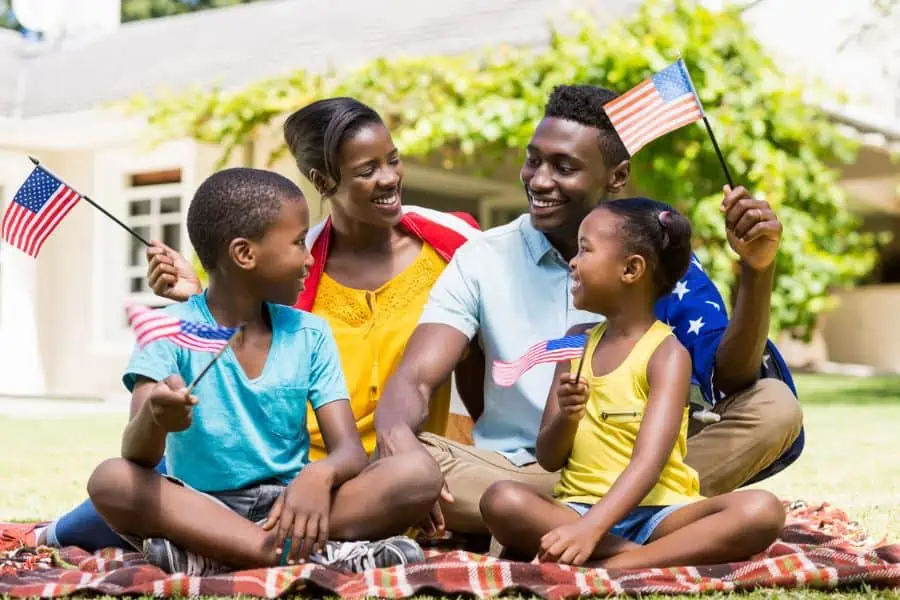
{"x":565,"y":175}
{"x":282,"y":258}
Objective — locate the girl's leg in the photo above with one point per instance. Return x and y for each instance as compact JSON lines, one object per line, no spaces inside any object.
{"x":85,"y":528}
{"x":717,"y":530}
{"x":518,"y":517}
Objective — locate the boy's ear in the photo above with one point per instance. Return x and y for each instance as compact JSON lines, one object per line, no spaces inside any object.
{"x":618,"y":177}
{"x":324,"y":184}
{"x":635,"y":267}
{"x":242,"y":253}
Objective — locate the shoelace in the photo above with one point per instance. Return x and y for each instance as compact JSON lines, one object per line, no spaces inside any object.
{"x":358,"y":556}
{"x":199,"y":565}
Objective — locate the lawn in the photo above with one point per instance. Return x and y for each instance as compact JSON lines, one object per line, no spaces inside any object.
{"x":850,"y":458}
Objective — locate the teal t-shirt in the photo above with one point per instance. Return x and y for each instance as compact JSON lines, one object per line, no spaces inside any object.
{"x":246,"y":430}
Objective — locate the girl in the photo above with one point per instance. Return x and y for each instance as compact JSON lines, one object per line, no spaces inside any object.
{"x":626,"y":497}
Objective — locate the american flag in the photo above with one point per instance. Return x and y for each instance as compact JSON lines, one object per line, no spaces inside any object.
{"x":565,"y":348}
{"x":653,"y":108}
{"x":150,"y":325}
{"x":36,"y":209}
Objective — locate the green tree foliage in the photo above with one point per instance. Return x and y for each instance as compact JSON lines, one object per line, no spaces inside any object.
{"x":480,"y":110}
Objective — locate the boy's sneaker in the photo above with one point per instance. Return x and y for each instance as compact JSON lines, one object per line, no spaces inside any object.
{"x":357,"y":557}
{"x":170,"y":558}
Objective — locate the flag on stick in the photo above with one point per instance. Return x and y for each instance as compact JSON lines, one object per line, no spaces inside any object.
{"x":565,"y":348}
{"x":37,"y":208}
{"x":150,"y":325}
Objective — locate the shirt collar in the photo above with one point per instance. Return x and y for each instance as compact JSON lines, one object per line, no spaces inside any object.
{"x":537,"y":243}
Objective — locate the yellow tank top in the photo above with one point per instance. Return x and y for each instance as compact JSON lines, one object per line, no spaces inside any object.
{"x":608,"y":431}
{"x":371,"y":329}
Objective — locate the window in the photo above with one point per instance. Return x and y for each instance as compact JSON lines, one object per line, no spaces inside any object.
{"x":154,"y":208}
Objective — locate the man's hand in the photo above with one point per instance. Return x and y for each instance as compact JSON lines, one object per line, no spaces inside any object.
{"x":302,"y":513}
{"x":570,"y":544}
{"x":752,"y":228}
{"x":435,"y":524}
{"x":169,"y":274}
{"x":572,"y":397}
{"x":170,"y":405}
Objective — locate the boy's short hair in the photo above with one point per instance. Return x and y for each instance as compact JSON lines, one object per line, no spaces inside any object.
{"x":233,"y":203}
{"x":583,"y":104}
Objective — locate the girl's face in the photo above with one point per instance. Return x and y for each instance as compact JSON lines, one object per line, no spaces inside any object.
{"x":602,"y":268}
{"x":371,"y":178}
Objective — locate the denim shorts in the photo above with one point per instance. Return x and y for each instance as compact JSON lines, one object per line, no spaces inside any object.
{"x":638,"y":525}
{"x":253,"y":502}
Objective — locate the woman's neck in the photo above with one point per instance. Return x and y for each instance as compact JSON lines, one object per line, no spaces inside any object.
{"x":231,"y":305}
{"x":356,"y":237}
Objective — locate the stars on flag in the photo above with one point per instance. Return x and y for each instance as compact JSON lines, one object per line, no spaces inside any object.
{"x":696,"y":325}
{"x":681,"y":289}
{"x":715,"y":304}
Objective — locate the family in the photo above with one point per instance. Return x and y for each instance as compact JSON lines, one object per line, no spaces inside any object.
{"x":319,"y":433}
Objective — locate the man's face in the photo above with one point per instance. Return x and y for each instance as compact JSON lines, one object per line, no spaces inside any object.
{"x":564,"y":174}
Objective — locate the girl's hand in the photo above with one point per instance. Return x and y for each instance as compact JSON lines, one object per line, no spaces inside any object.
{"x":570,"y":544}
{"x":572,"y":396}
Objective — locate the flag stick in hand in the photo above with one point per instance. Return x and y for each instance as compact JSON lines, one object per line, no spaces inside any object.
{"x":218,"y":355}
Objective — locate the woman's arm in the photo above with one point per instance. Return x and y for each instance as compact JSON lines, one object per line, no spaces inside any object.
{"x":669,"y":377}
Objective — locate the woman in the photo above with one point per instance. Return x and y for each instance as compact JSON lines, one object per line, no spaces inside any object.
{"x":375,"y":263}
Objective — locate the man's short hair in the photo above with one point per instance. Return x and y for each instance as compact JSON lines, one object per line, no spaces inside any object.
{"x":583,"y":104}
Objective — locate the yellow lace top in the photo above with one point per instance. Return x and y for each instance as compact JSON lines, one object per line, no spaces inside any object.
{"x":371,"y":329}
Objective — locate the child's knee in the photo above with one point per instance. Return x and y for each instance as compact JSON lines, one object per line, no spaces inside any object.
{"x":501,"y":500}
{"x":112,"y":484}
{"x":765,"y":511}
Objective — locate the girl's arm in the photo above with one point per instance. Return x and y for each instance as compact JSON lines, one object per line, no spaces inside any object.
{"x":669,"y":377}
{"x":558,"y":426}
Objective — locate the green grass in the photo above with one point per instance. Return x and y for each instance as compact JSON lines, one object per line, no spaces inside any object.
{"x":850,"y":460}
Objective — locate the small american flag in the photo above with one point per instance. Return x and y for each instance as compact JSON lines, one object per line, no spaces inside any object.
{"x":150,"y":325}
{"x":653,"y":108}
{"x":565,"y":348}
{"x":36,"y":209}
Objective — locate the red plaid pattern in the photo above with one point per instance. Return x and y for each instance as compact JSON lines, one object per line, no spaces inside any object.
{"x":820,"y":548}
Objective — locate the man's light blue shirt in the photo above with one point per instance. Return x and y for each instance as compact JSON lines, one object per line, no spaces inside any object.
{"x":246,"y":430}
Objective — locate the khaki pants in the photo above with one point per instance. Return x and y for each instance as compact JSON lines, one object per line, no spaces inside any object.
{"x":757,"y":426}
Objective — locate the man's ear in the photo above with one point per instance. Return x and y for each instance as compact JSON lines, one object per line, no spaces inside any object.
{"x":618,"y":177}
{"x":635,"y":267}
{"x":242,"y":253}
{"x":324,"y":184}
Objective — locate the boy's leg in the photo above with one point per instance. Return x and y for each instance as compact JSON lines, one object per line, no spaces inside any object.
{"x":518,"y":517}
{"x":725,"y":528}
{"x":141,"y":503}
{"x":391,"y":495}
{"x":84,"y":527}
{"x":470,"y":471}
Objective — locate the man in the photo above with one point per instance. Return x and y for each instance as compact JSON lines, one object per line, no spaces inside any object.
{"x":510,"y":287}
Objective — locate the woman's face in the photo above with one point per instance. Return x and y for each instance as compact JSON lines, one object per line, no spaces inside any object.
{"x":371,"y":177}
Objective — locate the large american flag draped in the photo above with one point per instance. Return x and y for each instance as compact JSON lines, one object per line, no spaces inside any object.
{"x":35,"y":211}
{"x":150,"y":325}
{"x":653,"y":108}
{"x":565,"y":348}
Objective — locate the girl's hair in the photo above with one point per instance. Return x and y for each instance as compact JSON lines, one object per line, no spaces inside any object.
{"x":657,"y":232}
{"x":315,"y":134}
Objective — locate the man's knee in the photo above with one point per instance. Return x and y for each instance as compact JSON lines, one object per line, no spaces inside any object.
{"x":781,"y":416}
{"x":418,"y":476}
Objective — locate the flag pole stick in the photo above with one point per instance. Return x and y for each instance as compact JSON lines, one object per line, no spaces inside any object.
{"x":211,"y":363}
{"x":583,"y":355}
{"x":709,"y":130}
{"x":37,"y":163}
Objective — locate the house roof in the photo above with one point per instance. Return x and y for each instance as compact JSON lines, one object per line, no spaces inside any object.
{"x":245,"y":43}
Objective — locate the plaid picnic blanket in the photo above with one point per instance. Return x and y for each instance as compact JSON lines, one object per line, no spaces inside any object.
{"x":820,"y":548}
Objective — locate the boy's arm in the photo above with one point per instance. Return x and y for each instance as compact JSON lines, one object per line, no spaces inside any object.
{"x":669,"y":377}
{"x":554,"y":442}
{"x":144,"y":441}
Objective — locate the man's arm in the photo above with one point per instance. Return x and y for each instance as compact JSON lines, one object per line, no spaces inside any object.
{"x":754,"y":232}
{"x":449,"y":321}
{"x":470,"y":379}
{"x":430,"y":356}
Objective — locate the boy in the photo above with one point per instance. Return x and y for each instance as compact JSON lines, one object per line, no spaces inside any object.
{"x":241,"y":492}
